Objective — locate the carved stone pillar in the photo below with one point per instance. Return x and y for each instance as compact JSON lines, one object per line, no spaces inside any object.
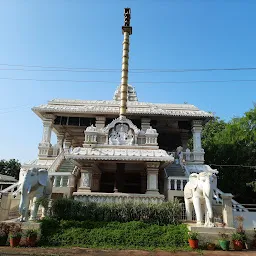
{"x":198,"y":151}
{"x":197,"y":130}
{"x":152,"y":178}
{"x":227,"y":210}
{"x":145,"y":124}
{"x":96,"y":178}
{"x":45,"y":145}
{"x":67,"y":143}
{"x":100,"y":122}
{"x":60,"y":141}
{"x":86,"y":179}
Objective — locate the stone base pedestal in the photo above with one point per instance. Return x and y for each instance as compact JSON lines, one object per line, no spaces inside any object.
{"x":152,"y":192}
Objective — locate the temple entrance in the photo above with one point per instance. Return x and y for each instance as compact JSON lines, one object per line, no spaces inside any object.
{"x":123,"y":179}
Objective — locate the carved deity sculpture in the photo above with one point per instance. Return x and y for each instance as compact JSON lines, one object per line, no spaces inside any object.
{"x":121,"y":134}
{"x":85,"y":179}
{"x":199,"y":191}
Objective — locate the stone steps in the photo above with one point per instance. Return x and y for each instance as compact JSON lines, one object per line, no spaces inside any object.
{"x":175,"y":170}
{"x":66,"y":166}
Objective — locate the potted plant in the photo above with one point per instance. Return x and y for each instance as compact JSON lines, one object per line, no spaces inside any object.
{"x":4,"y":230}
{"x":15,"y":238}
{"x":210,"y":246}
{"x":31,"y":236}
{"x":240,"y":230}
{"x":238,"y":241}
{"x":193,"y":239}
{"x":15,"y":235}
{"x":224,"y":241}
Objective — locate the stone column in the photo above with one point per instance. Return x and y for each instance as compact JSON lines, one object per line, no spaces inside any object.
{"x":100,"y":122}
{"x":60,"y":141}
{"x":152,"y":178}
{"x":198,"y":151}
{"x":45,"y":145}
{"x":67,"y":143}
{"x":86,"y":179}
{"x":145,"y":124}
{"x":227,"y":210}
{"x":96,"y":178}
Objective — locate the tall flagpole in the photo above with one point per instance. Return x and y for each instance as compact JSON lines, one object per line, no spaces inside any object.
{"x":127,"y":31}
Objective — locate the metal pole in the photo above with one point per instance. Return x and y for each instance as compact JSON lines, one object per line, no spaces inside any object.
{"x":127,"y":31}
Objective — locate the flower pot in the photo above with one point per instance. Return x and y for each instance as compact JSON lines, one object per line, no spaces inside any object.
{"x":3,"y":240}
{"x":224,"y":244}
{"x":14,"y":241}
{"x":238,"y":245}
{"x":210,"y":246}
{"x":31,"y":241}
{"x":193,"y":243}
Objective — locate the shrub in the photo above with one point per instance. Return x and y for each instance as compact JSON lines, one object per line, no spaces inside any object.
{"x":134,"y":234}
{"x":49,"y":227}
{"x":161,"y":214}
{"x":31,"y":233}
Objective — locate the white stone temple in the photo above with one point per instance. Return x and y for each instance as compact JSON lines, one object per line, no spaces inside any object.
{"x":121,"y":149}
{"x":100,"y":155}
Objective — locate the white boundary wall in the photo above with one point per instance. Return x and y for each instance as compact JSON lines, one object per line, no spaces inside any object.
{"x":249,"y":219}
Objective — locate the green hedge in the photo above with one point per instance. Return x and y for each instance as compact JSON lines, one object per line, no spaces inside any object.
{"x":134,"y":234}
{"x":162,"y":214}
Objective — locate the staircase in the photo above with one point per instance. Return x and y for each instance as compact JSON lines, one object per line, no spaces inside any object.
{"x":175,"y":170}
{"x":66,"y":166}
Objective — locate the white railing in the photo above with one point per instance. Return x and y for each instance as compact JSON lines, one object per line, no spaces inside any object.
{"x":177,"y":183}
{"x":60,"y":179}
{"x":57,"y":162}
{"x":14,"y":189}
{"x":236,"y":206}
{"x":118,"y":198}
{"x":190,"y":156}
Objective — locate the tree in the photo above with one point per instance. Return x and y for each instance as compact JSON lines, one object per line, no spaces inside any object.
{"x":233,"y":143}
{"x":11,"y":168}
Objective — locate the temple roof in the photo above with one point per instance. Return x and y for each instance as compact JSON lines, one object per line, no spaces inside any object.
{"x":101,"y":107}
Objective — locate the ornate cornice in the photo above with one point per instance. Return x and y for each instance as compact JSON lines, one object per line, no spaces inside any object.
{"x":155,"y":155}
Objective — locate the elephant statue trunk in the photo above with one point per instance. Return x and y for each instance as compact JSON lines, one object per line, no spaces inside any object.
{"x":35,"y":187}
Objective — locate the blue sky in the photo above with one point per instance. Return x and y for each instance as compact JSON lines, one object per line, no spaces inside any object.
{"x":87,"y":33}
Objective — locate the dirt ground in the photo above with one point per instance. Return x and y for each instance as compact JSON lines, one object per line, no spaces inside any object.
{"x":4,"y":251}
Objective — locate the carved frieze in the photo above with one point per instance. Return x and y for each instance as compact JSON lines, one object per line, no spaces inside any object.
{"x":120,"y":154}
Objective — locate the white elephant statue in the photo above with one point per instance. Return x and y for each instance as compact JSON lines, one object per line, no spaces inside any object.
{"x":36,"y":188}
{"x":198,"y":192}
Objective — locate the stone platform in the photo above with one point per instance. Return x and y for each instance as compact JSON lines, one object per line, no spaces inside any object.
{"x":208,"y":234}
{"x":25,"y":225}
